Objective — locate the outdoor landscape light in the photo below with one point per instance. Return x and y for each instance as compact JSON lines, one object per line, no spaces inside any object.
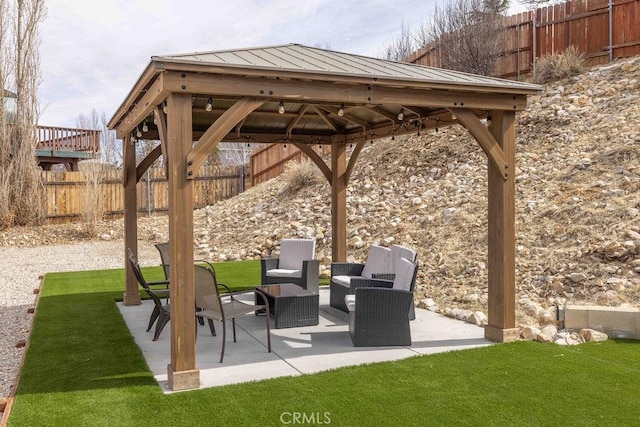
{"x":401,"y":114}
{"x":281,"y":108}
{"x":341,"y":110}
{"x":209,"y":106}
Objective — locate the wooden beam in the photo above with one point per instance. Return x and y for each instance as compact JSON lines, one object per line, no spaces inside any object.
{"x":354,"y":158}
{"x":315,"y":158}
{"x":295,"y":121}
{"x":486,"y":140}
{"x":148,"y":161}
{"x":131,"y":295}
{"x":338,"y":202}
{"x":313,"y":78}
{"x":161,"y":123}
{"x":143,"y":108}
{"x":304,"y":91}
{"x":182,"y":372}
{"x":501,"y":235}
{"x":384,"y":113}
{"x":347,"y":117}
{"x":225,"y":123}
{"x":324,"y":118}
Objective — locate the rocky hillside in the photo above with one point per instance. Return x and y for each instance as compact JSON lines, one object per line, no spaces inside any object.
{"x":577,"y":207}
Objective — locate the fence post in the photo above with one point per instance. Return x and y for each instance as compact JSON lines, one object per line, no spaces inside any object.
{"x":610,"y":30}
{"x":148,"y":193}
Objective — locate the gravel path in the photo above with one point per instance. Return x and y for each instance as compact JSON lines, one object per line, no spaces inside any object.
{"x":21,"y":267}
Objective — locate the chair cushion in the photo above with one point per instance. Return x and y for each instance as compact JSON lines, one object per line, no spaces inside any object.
{"x":350,"y":302}
{"x":378,"y":261}
{"x":398,"y":252}
{"x":284,"y":272}
{"x":294,"y":251}
{"x":342,"y":280}
{"x":404,"y":275}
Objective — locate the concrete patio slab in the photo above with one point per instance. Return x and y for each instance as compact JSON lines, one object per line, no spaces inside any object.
{"x":295,"y":351}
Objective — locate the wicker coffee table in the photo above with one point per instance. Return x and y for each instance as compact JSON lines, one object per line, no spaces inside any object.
{"x":290,"y":305}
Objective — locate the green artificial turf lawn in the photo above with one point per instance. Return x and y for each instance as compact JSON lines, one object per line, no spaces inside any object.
{"x":82,"y":367}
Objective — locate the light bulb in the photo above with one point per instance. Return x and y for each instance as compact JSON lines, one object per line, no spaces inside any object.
{"x":164,"y":107}
{"x":132,"y":139}
{"x":401,"y":114}
{"x":209,"y":106}
{"x":341,"y":110}
{"x":145,"y":128}
{"x":453,"y":116}
{"x":138,"y":133}
{"x":281,"y":108}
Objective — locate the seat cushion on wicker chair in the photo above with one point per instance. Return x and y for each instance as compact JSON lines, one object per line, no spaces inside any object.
{"x":378,"y":262}
{"x":294,"y":251}
{"x":350,"y":302}
{"x":343,"y":280}
{"x":404,"y":275}
{"x":284,"y":272}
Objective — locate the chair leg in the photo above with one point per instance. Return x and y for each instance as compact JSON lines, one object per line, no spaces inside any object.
{"x":163,"y":319}
{"x":154,"y":316}
{"x":268,"y":334}
{"x":224,"y":339}
{"x":233,"y":321}
{"x":212,"y":328}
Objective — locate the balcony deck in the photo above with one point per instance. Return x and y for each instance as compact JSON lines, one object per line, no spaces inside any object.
{"x":67,"y":146}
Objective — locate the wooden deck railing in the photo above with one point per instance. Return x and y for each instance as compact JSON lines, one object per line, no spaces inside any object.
{"x":68,"y":139}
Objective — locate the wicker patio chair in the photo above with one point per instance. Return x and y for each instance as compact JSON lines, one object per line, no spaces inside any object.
{"x":160,"y":311}
{"x":379,"y":315}
{"x":222,"y":307}
{"x":378,"y":265}
{"x":296,"y":264}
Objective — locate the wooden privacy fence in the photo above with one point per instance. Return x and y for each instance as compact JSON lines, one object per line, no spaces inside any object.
{"x":603,"y":30}
{"x":65,"y":191}
{"x":269,"y":162}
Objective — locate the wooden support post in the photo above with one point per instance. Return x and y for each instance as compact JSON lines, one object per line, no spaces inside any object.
{"x":182,"y":372}
{"x":131,"y":295}
{"x":502,"y":240}
{"x":339,"y":202}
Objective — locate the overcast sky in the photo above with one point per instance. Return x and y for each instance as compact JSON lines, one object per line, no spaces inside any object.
{"x":93,"y":52}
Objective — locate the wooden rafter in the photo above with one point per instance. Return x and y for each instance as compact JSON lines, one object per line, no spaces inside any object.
{"x":354,"y":157}
{"x":324,"y":118}
{"x":297,"y":119}
{"x":144,"y":107}
{"x":161,"y":123}
{"x":347,"y":117}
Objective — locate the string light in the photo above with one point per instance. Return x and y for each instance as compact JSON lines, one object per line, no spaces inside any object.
{"x":138,"y":132}
{"x":164,"y":107}
{"x":209,"y":106}
{"x":341,"y":110}
{"x":281,"y":108}
{"x":453,"y":116}
{"x":145,"y":128}
{"x":401,"y":114}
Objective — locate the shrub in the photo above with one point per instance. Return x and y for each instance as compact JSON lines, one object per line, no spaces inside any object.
{"x":557,"y":66}
{"x":300,"y":174}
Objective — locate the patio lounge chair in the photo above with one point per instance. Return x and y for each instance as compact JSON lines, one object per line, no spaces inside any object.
{"x":296,"y":264}
{"x":381,"y":264}
{"x":379,"y":316}
{"x":221,"y":307}
{"x":160,"y":311}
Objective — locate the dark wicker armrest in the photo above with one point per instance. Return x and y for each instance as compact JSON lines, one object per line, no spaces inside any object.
{"x":384,"y":276}
{"x":361,"y":282}
{"x":346,"y":269}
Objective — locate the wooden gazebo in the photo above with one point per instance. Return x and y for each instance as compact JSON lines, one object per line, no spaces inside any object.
{"x":299,"y":95}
